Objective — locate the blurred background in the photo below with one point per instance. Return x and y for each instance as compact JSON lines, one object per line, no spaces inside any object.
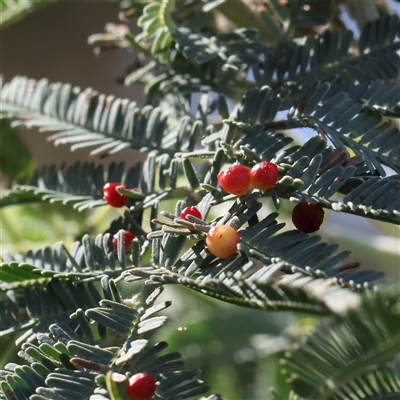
{"x":52,"y":43}
{"x":237,"y":349}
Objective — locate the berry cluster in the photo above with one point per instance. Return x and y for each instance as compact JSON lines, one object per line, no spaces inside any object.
{"x":141,"y":386}
{"x":238,"y":179}
{"x":112,"y":197}
{"x":307,"y":217}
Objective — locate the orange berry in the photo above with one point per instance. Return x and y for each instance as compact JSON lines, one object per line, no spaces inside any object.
{"x":222,"y":241}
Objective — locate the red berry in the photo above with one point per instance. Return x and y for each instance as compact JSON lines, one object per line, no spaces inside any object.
{"x":307,"y":217}
{"x":222,"y":241}
{"x":264,"y":175}
{"x":236,"y":179}
{"x":141,"y":386}
{"x":128,"y":238}
{"x":190,"y":211}
{"x":112,"y":197}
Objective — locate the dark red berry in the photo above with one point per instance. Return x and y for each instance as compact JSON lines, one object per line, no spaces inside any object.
{"x":141,"y":386}
{"x":112,"y":197}
{"x":222,"y":241}
{"x":236,"y":179}
{"x":264,"y":175}
{"x":128,"y":238}
{"x":190,"y":211}
{"x":307,"y":217}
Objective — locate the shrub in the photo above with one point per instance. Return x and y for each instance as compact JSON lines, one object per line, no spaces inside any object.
{"x":227,"y":83}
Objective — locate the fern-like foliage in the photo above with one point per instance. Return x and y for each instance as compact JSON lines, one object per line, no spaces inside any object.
{"x":356,"y":352}
{"x":285,"y":71}
{"x":85,"y":259}
{"x":239,"y":279}
{"x":81,"y":362}
{"x":315,"y":172}
{"x":337,"y":114}
{"x":86,"y":118}
{"x":82,"y":184}
{"x":295,"y":292}
{"x":377,"y":143}
{"x":228,"y":58}
{"x":42,"y":283}
{"x":79,"y":184}
{"x":317,"y":108}
{"x":326,"y":55}
{"x":374,"y":196}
